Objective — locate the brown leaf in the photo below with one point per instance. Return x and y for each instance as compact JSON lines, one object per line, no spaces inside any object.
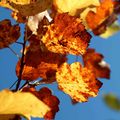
{"x":18,"y":17}
{"x":80,"y":83}
{"x":94,"y":61}
{"x":66,"y":35}
{"x":8,"y":33}
{"x":39,"y":62}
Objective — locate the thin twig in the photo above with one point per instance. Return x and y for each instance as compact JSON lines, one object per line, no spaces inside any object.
{"x":19,"y":43}
{"x":13,"y":84}
{"x":13,"y":52}
{"x":36,"y":83}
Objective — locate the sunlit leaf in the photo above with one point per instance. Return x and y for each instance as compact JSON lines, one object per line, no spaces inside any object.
{"x":72,"y":6}
{"x":77,"y":81}
{"x":22,"y":103}
{"x":67,"y":35}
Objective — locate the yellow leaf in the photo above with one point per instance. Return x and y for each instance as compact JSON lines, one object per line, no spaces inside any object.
{"x":78,"y":82}
{"x":111,"y":30}
{"x":72,"y":6}
{"x":21,"y":103}
{"x":26,"y":7}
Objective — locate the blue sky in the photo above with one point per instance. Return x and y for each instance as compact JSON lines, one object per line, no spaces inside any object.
{"x":95,"y":109}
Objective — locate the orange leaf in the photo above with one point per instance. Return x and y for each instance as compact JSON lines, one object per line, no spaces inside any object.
{"x":8,"y":33}
{"x":80,"y":83}
{"x":66,"y":35}
{"x":94,"y":61}
{"x":102,"y":12}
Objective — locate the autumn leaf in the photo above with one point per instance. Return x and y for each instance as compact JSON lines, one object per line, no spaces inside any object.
{"x":94,"y":61}
{"x":39,"y":62}
{"x":111,"y":30}
{"x":22,"y":103}
{"x":78,"y":82}
{"x":45,"y":95}
{"x":102,"y":12}
{"x":27,"y":7}
{"x":72,"y":6}
{"x":7,"y":38}
{"x":67,"y":35}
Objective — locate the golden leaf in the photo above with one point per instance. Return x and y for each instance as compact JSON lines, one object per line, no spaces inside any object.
{"x":67,"y":35}
{"x":72,"y":6}
{"x":80,"y":83}
{"x":22,"y":103}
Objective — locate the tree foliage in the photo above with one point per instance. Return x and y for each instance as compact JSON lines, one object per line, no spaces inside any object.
{"x":53,"y":30}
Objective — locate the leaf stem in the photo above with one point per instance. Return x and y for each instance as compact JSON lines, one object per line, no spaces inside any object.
{"x":13,"y":52}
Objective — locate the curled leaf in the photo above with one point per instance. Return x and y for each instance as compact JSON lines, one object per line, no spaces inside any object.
{"x":8,"y":33}
{"x":80,"y":83}
{"x":66,"y":35}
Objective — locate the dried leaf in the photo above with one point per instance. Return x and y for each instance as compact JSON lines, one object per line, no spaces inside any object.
{"x":72,"y":6}
{"x":94,"y":61}
{"x":22,"y":103}
{"x":27,"y":7}
{"x":8,"y":33}
{"x":80,"y":83}
{"x":66,"y":35}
